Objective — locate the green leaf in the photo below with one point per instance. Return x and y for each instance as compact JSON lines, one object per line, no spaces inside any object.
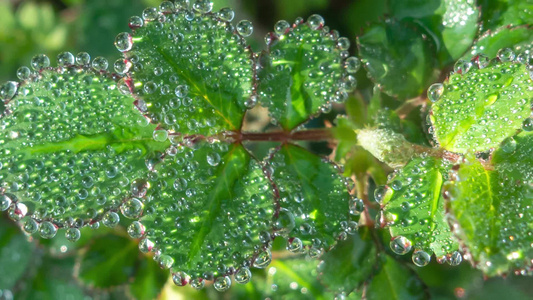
{"x":480,"y":108}
{"x":15,"y":254}
{"x":348,"y":265}
{"x":518,"y":38}
{"x":70,"y":148}
{"x":208,"y":210}
{"x":452,"y":23}
{"x":492,"y":208}
{"x":398,"y":57}
{"x":199,"y":68}
{"x":313,"y":198}
{"x":395,"y":281}
{"x":497,"y":13}
{"x":414,"y":209}
{"x":303,"y":71}
{"x":108,"y":261}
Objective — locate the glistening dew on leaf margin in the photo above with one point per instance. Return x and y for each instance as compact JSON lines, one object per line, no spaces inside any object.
{"x":132,"y":166}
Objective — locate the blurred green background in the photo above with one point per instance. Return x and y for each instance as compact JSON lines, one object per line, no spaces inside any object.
{"x":44,"y":270}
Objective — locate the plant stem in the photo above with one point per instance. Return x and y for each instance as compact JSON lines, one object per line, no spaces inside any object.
{"x":409,"y":105}
{"x":322,"y":134}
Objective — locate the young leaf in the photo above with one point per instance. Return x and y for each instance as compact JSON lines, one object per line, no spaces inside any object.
{"x":414,"y":209}
{"x":313,"y":198}
{"x":208,"y":212}
{"x":498,"y":13}
{"x":477,"y":109}
{"x":71,"y":146}
{"x":192,"y":71}
{"x":304,"y":71}
{"x":452,"y":23}
{"x":398,"y":57}
{"x":518,"y":38}
{"x":492,"y":207}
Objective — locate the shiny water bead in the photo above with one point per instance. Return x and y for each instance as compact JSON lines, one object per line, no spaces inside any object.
{"x":251,"y":102}
{"x":150,"y":14}
{"x":352,"y":64}
{"x":222,"y":284}
{"x":482,"y":61}
{"x":111,"y":219}
{"x":379,"y":193}
{"x":47,"y":230}
{"x":315,"y":21}
{"x":508,"y":145}
{"x":263,"y":259}
{"x":421,"y":258}
{"x":123,"y":42}
{"x":213,"y":159}
{"x":357,"y":206}
{"x":136,"y":230}
{"x":167,"y":7}
{"x":30,"y":226}
{"x":180,"y":278}
{"x":203,"y":6}
{"x":455,"y":258}
{"x":23,"y":73}
{"x":281,"y":27}
{"x":295,"y":245}
{"x":65,"y":59}
{"x":132,"y":208}
{"x":135,"y":22}
{"x":245,"y":28}
{"x":462,"y":66}
{"x":160,"y":135}
{"x":18,"y":211}
{"x":400,"y":245}
{"x":527,"y":125}
{"x":83,"y":58}
{"x":122,"y":66}
{"x":100,"y":63}
{"x":284,"y":223}
{"x":8,"y":90}
{"x":243,"y":275}
{"x":146,"y":245}
{"x":165,"y":261}
{"x":73,"y":234}
{"x":198,"y":283}
{"x":39,"y":62}
{"x":506,"y":54}
{"x":343,"y":43}
{"x":435,"y":92}
{"x":226,"y":14}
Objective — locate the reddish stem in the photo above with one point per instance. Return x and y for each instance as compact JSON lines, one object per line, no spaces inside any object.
{"x":323,"y":134}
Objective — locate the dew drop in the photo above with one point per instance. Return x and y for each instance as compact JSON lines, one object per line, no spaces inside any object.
{"x":31,"y":226}
{"x":39,"y":62}
{"x":462,"y":66}
{"x":23,"y":73}
{"x":122,"y":66}
{"x":435,"y":92}
{"x":421,"y":258}
{"x":165,"y":262}
{"x":455,"y":259}
{"x":243,"y":276}
{"x":285,"y":222}
{"x":281,"y":27}
{"x":400,"y":245}
{"x":356,"y":206}
{"x":136,"y":230}
{"x":5,"y":202}
{"x":160,"y":135}
{"x":8,"y":90}
{"x":198,"y":283}
{"x":110,"y":219}
{"x":132,"y":208}
{"x":315,"y":21}
{"x":343,"y":43}
{"x":506,"y":54}
{"x":100,"y":63}
{"x":263,"y":259}
{"x":167,"y":7}
{"x":73,"y":234}
{"x":203,"y":6}
{"x":123,"y":42}
{"x":508,"y":145}
{"x":150,"y":14}
{"x":482,"y":61}
{"x":222,"y":284}
{"x":83,"y":58}
{"x":146,"y":245}
{"x":213,"y":159}
{"x":66,"y":59}
{"x":47,"y":230}
{"x":295,"y":245}
{"x":180,"y":278}
{"x":135,"y":22}
{"x":352,"y":64}
{"x":379,"y":193}
{"x":226,"y":14}
{"x":245,"y":28}
{"x":396,"y":185}
{"x":527,"y":125}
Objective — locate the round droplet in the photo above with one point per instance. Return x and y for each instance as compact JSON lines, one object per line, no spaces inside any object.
{"x":281,"y":27}
{"x":110,"y":219}
{"x":400,"y":245}
{"x":343,"y":43}
{"x":83,"y":58}
{"x":295,"y":245}
{"x":165,"y":261}
{"x":506,"y":54}
{"x":23,"y":73}
{"x":285,"y":222}
{"x":482,"y":61}
{"x":123,"y":42}
{"x":8,"y":90}
{"x":160,"y":135}
{"x":73,"y":234}
{"x":245,"y":28}
{"x":243,"y":276}
{"x":66,"y":59}
{"x":146,"y":245}
{"x":462,"y":66}
{"x":435,"y":92}
{"x":356,"y":206}
{"x":527,"y":125}
{"x":150,"y":14}
{"x":180,"y":278}
{"x":213,"y":159}
{"x":132,"y":208}
{"x":314,"y":252}
{"x":100,"y":63}
{"x":352,"y":64}
{"x":135,"y":22}
{"x":455,"y":259}
{"x":421,"y":258}
{"x":222,"y":284}
{"x":315,"y":21}
{"x":39,"y":62}
{"x":251,"y":102}
{"x":136,"y":230}
{"x":166,"y":7}
{"x":31,"y":226}
{"x":508,"y":145}
{"x":379,"y":193}
{"x":47,"y":230}
{"x":226,"y":14}
{"x":198,"y":283}
{"x":203,"y":6}
{"x":263,"y":259}
{"x":122,"y":66}
{"x":5,"y":202}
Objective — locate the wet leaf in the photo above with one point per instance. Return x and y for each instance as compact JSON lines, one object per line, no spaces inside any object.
{"x":481,"y":107}
{"x":518,"y":38}
{"x":497,"y":13}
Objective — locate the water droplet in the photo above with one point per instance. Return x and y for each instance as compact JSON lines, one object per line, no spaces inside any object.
{"x":314,"y":252}
{"x":281,"y":27}
{"x":40,"y":61}
{"x":167,"y":7}
{"x":66,"y":59}
{"x":47,"y":230}
{"x":18,"y":211}
{"x":83,"y":58}
{"x":23,"y":73}
{"x":180,"y":278}
{"x":527,"y":125}
{"x":400,"y":245}
{"x":135,"y":22}
{"x":165,"y":261}
{"x":160,"y":135}
{"x":213,"y":159}
{"x":100,"y":63}
{"x":506,"y":54}
{"x":73,"y":234}
{"x":263,"y":259}
{"x":421,"y":258}
{"x":8,"y":90}
{"x":243,"y":276}
{"x":132,"y":208}
{"x":352,"y":64}
{"x":31,"y":226}
{"x":123,"y":42}
{"x":198,"y":283}
{"x":122,"y":66}
{"x":251,"y":102}
{"x":315,"y":21}
{"x":5,"y":202}
{"x":203,"y":6}
{"x":482,"y":61}
{"x":396,"y":185}
{"x":245,"y":28}
{"x":356,"y":206}
{"x":379,"y":193}
{"x":110,"y":219}
{"x":146,"y":245}
{"x":435,"y":92}
{"x":455,"y":259}
{"x":295,"y":245}
{"x":222,"y":284}
{"x":343,"y":43}
{"x":508,"y":145}
{"x":462,"y":66}
{"x":150,"y":14}
{"x":226,"y":14}
{"x":136,"y":230}
{"x":285,"y":222}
